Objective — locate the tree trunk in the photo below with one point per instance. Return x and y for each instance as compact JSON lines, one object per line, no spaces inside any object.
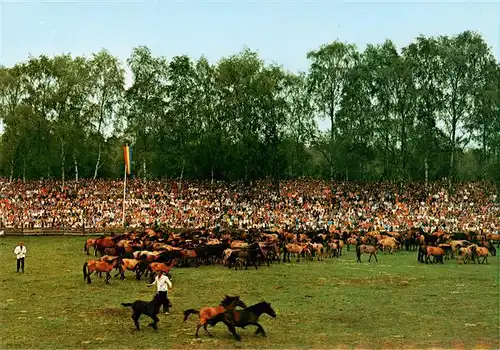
{"x":144,"y":170}
{"x":403,"y":151}
{"x":386,"y":156}
{"x":485,"y":154}
{"x":212,"y":170}
{"x":98,"y":164}
{"x":63,"y":165}
{"x":11,"y":171}
{"x":426,"y":169}
{"x":332,"y":139}
{"x":24,"y":171}
{"x":179,"y":185}
{"x":76,"y":168}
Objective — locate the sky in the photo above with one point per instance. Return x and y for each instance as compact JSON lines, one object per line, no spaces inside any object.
{"x":281,"y":31}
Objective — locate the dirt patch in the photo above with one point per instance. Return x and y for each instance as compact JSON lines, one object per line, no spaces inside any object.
{"x":373,"y":281}
{"x":110,"y":311}
{"x":346,"y":319}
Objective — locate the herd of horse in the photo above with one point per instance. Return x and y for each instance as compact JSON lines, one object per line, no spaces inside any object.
{"x":146,"y":252}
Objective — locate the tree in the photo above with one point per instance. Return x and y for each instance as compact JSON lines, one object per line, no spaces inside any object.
{"x":463,"y":57}
{"x":330,"y":66}
{"x":108,"y":81}
{"x":145,"y":103}
{"x":301,"y":124}
{"x":427,"y":69}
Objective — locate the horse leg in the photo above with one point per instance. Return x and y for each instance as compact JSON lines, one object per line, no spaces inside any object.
{"x":108,"y":276}
{"x":198,"y":326}
{"x":135,"y":317}
{"x":155,"y":320}
{"x":375,"y":255}
{"x":206,"y":330}
{"x":260,"y":329}
{"x":233,"y":331}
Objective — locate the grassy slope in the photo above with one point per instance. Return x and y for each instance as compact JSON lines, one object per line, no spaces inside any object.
{"x":336,"y":303}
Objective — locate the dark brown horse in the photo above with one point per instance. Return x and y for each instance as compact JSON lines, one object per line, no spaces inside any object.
{"x":242,"y":318}
{"x":102,"y":243}
{"x":207,"y":313}
{"x":150,"y":309}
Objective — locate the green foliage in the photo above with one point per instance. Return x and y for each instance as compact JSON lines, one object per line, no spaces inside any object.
{"x":422,"y":112}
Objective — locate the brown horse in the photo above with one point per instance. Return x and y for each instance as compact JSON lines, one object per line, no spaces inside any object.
{"x":100,"y":266}
{"x":128,"y":264}
{"x":366,"y":249}
{"x":436,"y":252}
{"x":102,"y":243}
{"x":154,"y":267}
{"x":479,"y":252}
{"x":206,"y":313}
{"x":296,"y":249}
{"x":89,"y":243}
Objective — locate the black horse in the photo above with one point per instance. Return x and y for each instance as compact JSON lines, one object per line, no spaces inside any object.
{"x":150,"y":309}
{"x":242,"y":318}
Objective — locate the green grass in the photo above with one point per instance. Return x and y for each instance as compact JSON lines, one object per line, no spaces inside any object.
{"x":396,"y":303}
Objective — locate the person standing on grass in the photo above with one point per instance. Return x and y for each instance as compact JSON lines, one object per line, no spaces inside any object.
{"x":20,"y":252}
{"x":162,"y":285}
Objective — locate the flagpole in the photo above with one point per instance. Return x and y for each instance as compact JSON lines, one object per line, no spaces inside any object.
{"x":124,"y":191}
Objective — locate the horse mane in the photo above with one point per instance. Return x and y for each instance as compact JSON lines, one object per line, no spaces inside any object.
{"x":228,"y":300}
{"x":257,"y":306}
{"x":156,"y":298}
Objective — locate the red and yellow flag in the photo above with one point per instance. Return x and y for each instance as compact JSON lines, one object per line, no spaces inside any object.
{"x":127,"y":156}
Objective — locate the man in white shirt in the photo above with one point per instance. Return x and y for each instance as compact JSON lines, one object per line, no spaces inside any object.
{"x":20,"y":252}
{"x":163,"y":284}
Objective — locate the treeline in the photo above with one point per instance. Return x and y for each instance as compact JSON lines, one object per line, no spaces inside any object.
{"x":427,"y":111}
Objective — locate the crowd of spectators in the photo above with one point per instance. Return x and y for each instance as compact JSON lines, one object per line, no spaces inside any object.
{"x":306,"y":203}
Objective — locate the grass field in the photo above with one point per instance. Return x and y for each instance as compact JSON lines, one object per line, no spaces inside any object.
{"x":397,"y":303}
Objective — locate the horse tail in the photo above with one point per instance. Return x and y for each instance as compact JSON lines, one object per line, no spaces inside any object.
{"x":127,"y":304}
{"x":85,"y":270}
{"x":189,"y":312}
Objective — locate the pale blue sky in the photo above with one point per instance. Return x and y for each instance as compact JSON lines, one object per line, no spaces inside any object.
{"x":281,"y":31}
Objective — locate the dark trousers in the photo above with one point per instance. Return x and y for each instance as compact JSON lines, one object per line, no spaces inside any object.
{"x":20,"y":264}
{"x":166,"y":302}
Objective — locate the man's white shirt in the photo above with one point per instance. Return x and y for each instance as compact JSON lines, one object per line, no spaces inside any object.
{"x":162,"y":283}
{"x":20,"y":252}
